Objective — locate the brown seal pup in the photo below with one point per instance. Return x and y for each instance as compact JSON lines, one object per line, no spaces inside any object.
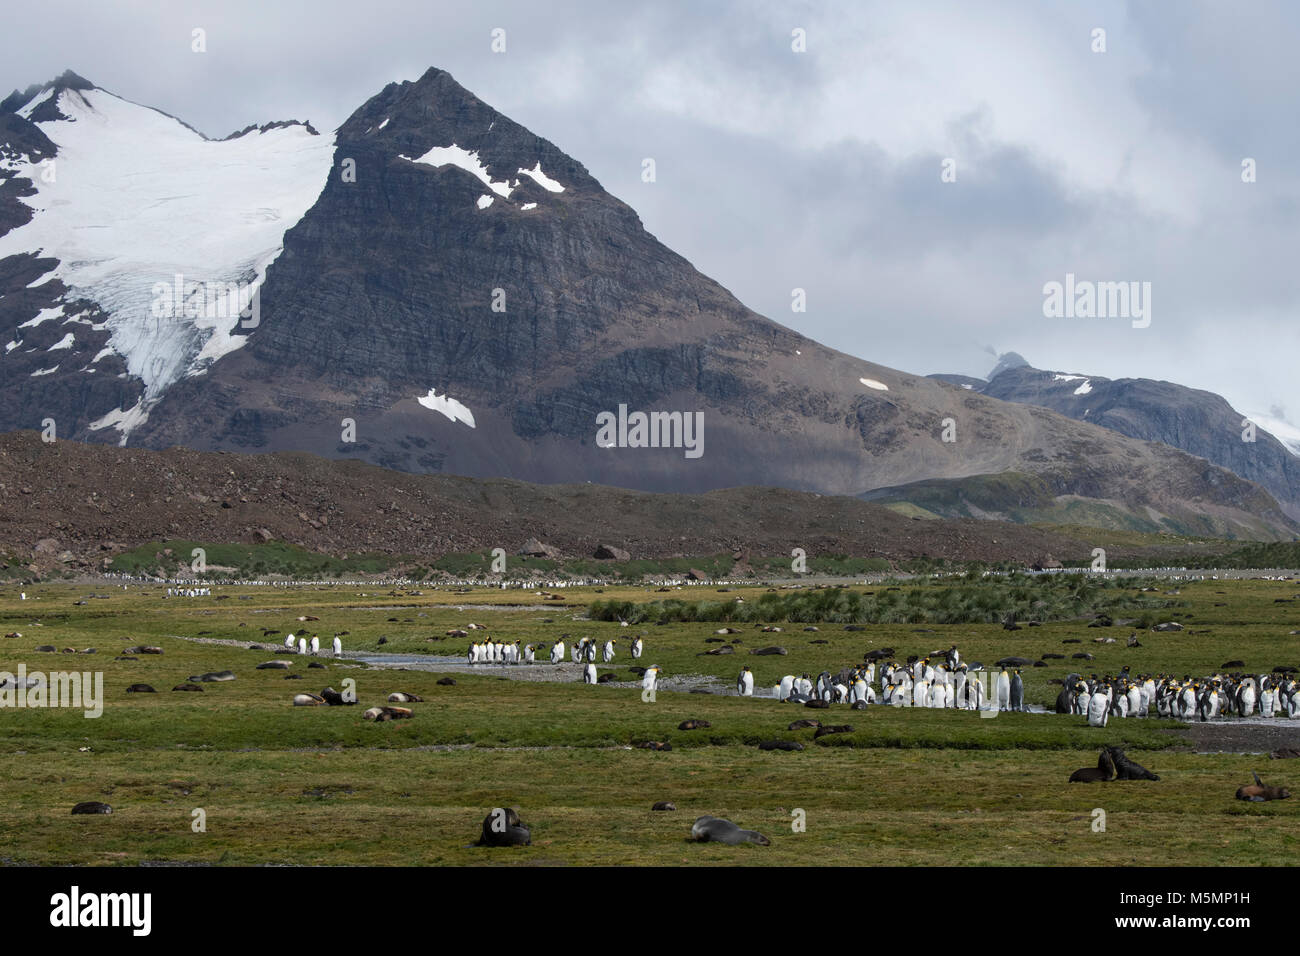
{"x":1258,"y":792}
{"x":694,"y":725}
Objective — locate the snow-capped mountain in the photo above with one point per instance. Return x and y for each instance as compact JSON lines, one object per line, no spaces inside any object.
{"x":147,"y":231}
{"x":1199,"y":422}
{"x":1279,"y":428}
{"x":441,"y":289}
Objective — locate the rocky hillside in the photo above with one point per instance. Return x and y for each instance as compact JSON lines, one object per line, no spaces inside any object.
{"x":1196,"y":421}
{"x":93,"y":501}
{"x":439,"y":289}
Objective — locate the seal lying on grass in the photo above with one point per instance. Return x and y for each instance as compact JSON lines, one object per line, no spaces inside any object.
{"x":502,"y":827}
{"x":718,"y":830}
{"x":1258,"y":792}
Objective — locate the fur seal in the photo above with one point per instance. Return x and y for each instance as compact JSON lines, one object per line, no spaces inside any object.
{"x":694,"y":725}
{"x":273,"y":666}
{"x":504,"y":828}
{"x":334,"y":698}
{"x":1126,"y":769}
{"x":801,"y":724}
{"x":140,"y":689}
{"x":92,"y":806}
{"x":1104,"y":771}
{"x":1258,"y":792}
{"x":447,"y":682}
{"x":654,"y":745}
{"x":190,"y":687}
{"x":717,"y":830}
{"x":780,"y":745}
{"x":382,"y":714}
{"x":833,"y":729}
{"x":817,"y":704}
{"x":664,"y":805}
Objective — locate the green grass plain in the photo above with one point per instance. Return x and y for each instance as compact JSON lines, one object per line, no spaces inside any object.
{"x":281,"y":784}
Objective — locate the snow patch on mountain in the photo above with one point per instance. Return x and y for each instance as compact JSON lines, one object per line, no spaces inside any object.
{"x":45,"y":315}
{"x":872,"y":383}
{"x":1279,"y":428}
{"x":543,"y":180}
{"x":465,"y":159}
{"x":138,"y":198}
{"x":448,"y":406}
{"x":122,"y":420}
{"x":1084,"y":389}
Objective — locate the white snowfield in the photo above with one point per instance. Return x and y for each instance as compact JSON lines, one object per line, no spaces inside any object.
{"x":872,"y":383}
{"x":469,"y":161}
{"x":447,"y":406}
{"x":139,"y":198}
{"x":1282,"y":430}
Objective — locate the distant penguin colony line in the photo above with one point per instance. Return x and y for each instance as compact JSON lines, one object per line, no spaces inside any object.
{"x":943,"y":680}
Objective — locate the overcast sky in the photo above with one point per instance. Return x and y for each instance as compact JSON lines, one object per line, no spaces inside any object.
{"x":821,"y":169}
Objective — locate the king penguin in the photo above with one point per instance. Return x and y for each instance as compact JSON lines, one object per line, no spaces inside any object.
{"x":1017,"y":692}
{"x":745,"y":683}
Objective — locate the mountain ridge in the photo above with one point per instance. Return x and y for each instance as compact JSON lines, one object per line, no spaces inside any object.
{"x":377,"y":309}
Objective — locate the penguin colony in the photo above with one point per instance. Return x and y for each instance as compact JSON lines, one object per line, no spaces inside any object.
{"x":584,"y":651}
{"x":943,"y":680}
{"x":1161,"y":695}
{"x":939,"y":680}
{"x":304,"y":646}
